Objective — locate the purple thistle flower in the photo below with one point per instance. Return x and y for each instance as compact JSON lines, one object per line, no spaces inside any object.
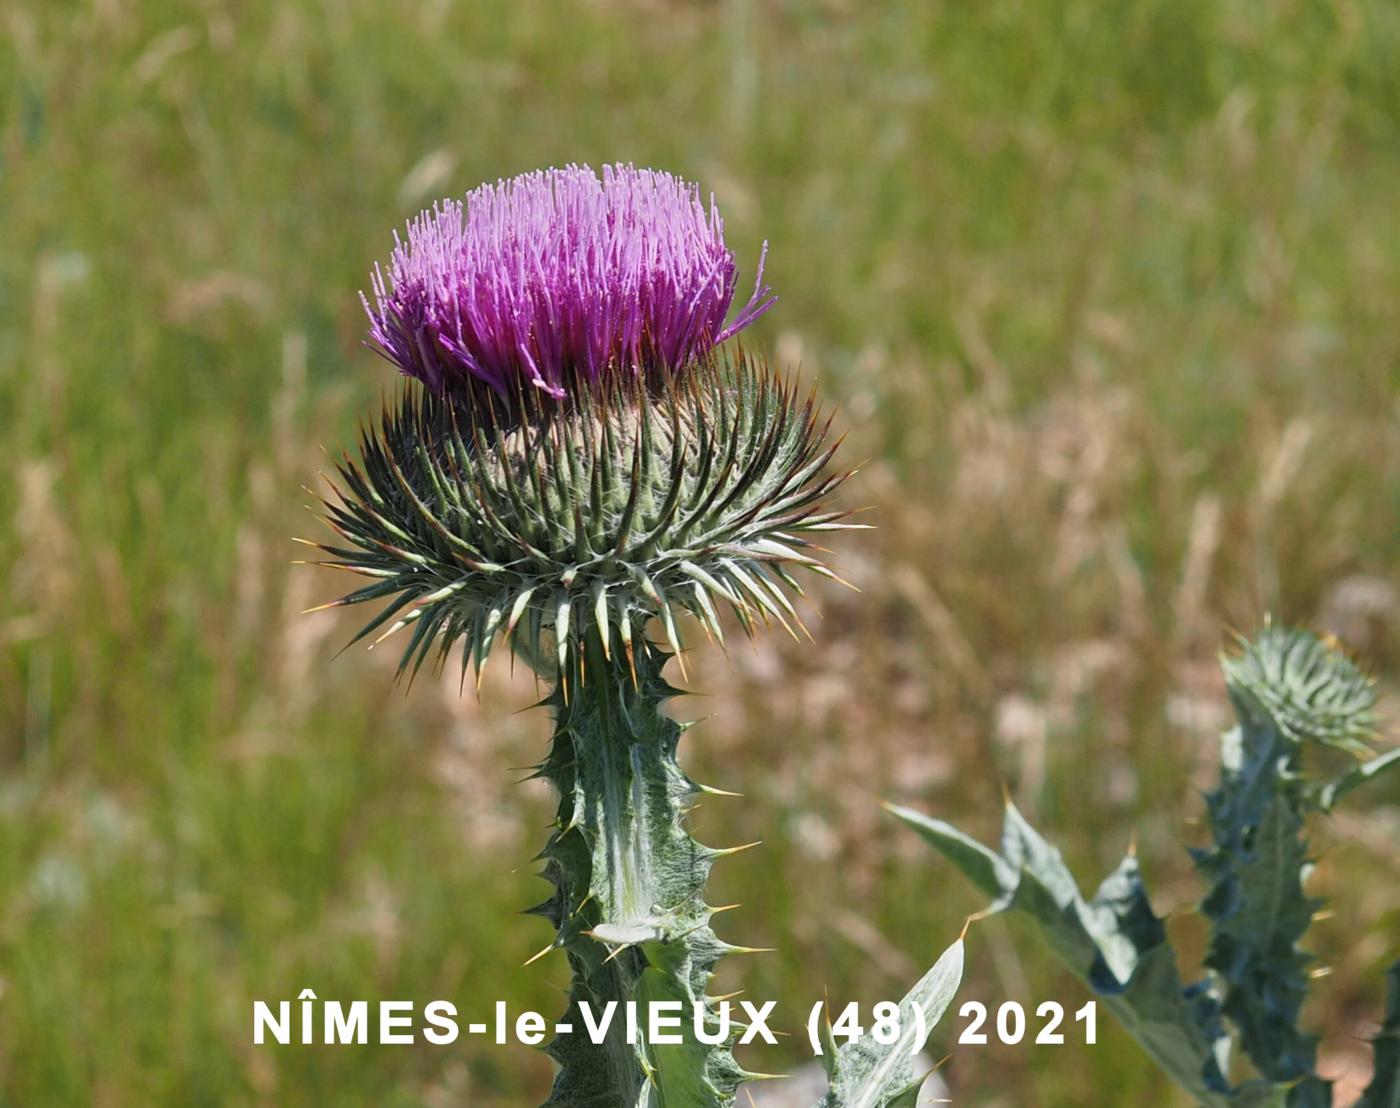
{"x":557,"y":273}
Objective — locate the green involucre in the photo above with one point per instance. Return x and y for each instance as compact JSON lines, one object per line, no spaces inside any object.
{"x":1311,"y":692}
{"x":628,"y":500}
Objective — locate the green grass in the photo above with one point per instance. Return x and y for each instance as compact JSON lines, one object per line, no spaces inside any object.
{"x":1106,"y":293}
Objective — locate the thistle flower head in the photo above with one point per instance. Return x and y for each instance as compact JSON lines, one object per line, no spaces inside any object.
{"x":559,"y":276}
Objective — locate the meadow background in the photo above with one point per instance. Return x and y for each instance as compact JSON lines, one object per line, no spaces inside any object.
{"x":1106,"y":295}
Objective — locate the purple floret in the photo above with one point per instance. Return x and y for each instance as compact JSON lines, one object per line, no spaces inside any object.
{"x":559,"y":274}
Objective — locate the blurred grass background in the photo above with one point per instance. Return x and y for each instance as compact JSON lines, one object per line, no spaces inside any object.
{"x":1106,"y":293}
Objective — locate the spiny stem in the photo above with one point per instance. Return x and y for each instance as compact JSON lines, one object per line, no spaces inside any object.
{"x":628,"y":907}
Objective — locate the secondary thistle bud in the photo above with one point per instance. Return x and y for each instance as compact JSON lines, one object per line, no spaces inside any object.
{"x":1305,"y":687}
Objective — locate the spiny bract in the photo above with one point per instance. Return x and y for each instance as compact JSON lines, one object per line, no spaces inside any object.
{"x":637,"y":498}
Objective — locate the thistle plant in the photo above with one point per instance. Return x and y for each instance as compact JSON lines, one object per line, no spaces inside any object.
{"x":1234,"y":1037}
{"x":575,"y":463}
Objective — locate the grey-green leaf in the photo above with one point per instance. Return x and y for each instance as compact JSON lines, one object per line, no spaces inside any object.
{"x":1114,"y":943}
{"x":983,"y":867}
{"x":869,"y":1074}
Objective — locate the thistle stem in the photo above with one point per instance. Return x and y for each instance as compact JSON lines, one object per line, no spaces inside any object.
{"x":628,"y":906}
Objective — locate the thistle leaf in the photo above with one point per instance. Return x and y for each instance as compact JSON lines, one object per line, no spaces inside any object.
{"x":869,"y":1074}
{"x":1113,"y":942}
{"x":1259,"y":912}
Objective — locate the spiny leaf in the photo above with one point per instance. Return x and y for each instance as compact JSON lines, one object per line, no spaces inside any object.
{"x":1113,"y":942}
{"x":869,"y":1074}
